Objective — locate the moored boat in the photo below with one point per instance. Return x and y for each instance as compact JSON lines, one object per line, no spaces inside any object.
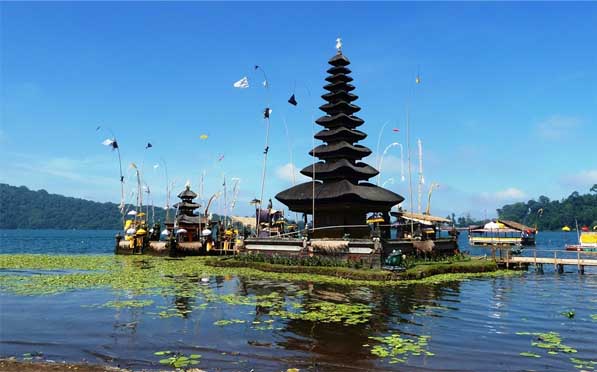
{"x":502,"y":232}
{"x":587,"y":242}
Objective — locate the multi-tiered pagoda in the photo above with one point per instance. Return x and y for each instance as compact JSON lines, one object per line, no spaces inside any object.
{"x":342,"y":198}
{"x":185,"y":218}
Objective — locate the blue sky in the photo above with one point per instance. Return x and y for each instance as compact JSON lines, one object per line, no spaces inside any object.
{"x":506,"y":111}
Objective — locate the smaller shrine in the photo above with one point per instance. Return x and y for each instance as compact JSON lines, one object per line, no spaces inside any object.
{"x":187,"y":225}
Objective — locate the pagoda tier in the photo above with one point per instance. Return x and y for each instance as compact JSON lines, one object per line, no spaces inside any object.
{"x":340,"y":96}
{"x":187,"y":205}
{"x":342,"y":198}
{"x":187,"y":194}
{"x":340,"y":120}
{"x":341,"y":134}
{"x":340,"y":107}
{"x":340,"y":150}
{"x":338,"y":70}
{"x":332,"y":169}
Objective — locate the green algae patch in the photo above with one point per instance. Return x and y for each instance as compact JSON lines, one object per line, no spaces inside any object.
{"x":529,"y":355}
{"x":397,"y":348}
{"x":584,"y":364}
{"x":178,"y":360}
{"x":329,"y":312}
{"x":225,"y":322}
{"x":146,"y":275}
{"x":549,"y":341}
{"x":128,"y":304}
{"x":57,"y":262}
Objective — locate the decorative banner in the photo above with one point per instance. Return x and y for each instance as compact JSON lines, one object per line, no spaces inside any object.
{"x":242,"y":83}
{"x":110,"y":142}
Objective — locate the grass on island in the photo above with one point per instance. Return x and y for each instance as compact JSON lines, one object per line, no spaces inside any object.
{"x":419,"y":270}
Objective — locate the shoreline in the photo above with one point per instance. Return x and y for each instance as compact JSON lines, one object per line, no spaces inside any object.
{"x":14,"y":365}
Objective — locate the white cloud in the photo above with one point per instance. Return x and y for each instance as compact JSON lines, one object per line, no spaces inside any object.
{"x":584,"y":178}
{"x":285,"y":173}
{"x":556,"y":127}
{"x":509,"y":194}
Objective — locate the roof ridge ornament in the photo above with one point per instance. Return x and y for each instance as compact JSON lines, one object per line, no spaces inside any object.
{"x":339,"y":45}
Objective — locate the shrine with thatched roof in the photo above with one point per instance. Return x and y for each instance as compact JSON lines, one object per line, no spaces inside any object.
{"x":339,"y":196}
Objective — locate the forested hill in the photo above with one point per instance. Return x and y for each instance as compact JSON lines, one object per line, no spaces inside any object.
{"x":21,"y":208}
{"x":554,"y":214}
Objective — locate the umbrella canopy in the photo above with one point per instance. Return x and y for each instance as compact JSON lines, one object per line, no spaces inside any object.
{"x":141,"y":232}
{"x":165,"y":232}
{"x":131,"y":231}
{"x":206,"y":232}
{"x":181,"y":231}
{"x":494,"y":226}
{"x":132,"y":213}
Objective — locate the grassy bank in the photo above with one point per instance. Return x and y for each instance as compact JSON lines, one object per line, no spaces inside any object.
{"x":419,"y":271}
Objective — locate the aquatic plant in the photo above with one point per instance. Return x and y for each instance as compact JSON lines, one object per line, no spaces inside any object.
{"x":225,"y":322}
{"x":329,"y":312}
{"x":550,"y":341}
{"x":569,"y":314}
{"x":530,"y":355}
{"x":177,"y":360}
{"x":399,"y":348}
{"x":584,"y":364}
{"x":180,"y":277}
{"x":128,"y":304}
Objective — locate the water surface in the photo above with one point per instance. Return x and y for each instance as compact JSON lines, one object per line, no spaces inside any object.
{"x":235,"y":323}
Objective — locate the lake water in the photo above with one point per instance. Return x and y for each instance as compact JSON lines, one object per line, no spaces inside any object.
{"x":240,"y":323}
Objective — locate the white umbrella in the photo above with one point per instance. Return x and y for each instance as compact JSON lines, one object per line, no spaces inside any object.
{"x":206,"y":232}
{"x":132,"y":213}
{"x":492,"y":226}
{"x":181,"y":231}
{"x":131,"y":231}
{"x":165,"y":232}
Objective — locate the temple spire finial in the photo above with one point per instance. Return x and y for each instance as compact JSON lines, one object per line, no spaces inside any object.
{"x":339,"y":45}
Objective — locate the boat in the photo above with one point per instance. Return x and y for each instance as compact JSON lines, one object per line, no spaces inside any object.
{"x":587,"y":242}
{"x":502,"y":232}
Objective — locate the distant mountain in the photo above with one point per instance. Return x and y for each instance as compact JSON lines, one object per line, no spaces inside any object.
{"x":21,"y":208}
{"x":554,"y":214}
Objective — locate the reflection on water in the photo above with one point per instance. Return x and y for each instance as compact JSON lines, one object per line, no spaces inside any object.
{"x":239,"y":324}
{"x":469,"y":324}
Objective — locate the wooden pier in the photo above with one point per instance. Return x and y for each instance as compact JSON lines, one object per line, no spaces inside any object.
{"x":540,"y":257}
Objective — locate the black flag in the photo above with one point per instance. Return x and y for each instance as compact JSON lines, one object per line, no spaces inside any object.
{"x":266,"y":113}
{"x":114,"y":145}
{"x":148,"y":145}
{"x":292,"y":100}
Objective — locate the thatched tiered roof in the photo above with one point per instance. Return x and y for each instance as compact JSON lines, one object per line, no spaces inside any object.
{"x":340,"y":174}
